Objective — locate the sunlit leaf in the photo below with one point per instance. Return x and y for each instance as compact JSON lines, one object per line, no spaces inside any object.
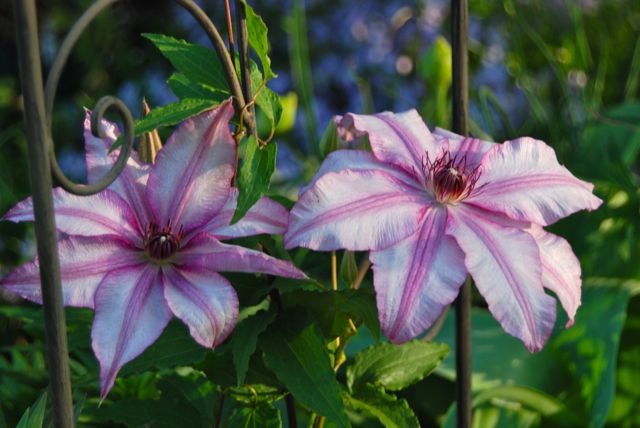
{"x":255,"y":175}
{"x":388,"y":409}
{"x":395,"y":367}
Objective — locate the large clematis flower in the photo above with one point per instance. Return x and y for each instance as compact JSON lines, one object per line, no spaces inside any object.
{"x":432,"y":208}
{"x":149,"y":247}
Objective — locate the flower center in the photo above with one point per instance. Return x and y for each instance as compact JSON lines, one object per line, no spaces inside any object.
{"x":162,"y":243}
{"x":449,"y":178}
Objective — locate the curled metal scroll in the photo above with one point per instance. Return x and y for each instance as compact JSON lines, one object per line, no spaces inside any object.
{"x":107,"y":102}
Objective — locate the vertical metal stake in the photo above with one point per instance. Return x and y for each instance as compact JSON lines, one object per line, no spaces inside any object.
{"x":459,"y":31}
{"x":40,"y":177}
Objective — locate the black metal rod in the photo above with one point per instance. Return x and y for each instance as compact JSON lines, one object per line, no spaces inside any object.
{"x":291,"y":411}
{"x":40,"y":177}
{"x":460,"y":92}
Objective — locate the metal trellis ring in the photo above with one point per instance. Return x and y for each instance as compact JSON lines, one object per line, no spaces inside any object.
{"x":109,"y":101}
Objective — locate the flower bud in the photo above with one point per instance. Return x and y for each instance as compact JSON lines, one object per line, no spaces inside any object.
{"x":150,"y":143}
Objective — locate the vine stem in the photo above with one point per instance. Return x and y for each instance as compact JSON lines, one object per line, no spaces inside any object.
{"x":227,"y":9}
{"x":334,"y":270}
{"x":437,"y":326}
{"x":362,"y":272}
{"x":245,"y":72}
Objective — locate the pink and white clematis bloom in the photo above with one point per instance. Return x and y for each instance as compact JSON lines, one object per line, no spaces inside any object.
{"x":148,"y":247}
{"x":433,"y":208}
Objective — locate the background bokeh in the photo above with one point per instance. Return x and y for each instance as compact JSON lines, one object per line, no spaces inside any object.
{"x":566,"y":72}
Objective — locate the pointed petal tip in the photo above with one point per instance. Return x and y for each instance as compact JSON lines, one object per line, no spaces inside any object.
{"x":107,"y":381}
{"x":296,"y":273}
{"x":569,"y":323}
{"x":533,"y":347}
{"x":396,"y":338}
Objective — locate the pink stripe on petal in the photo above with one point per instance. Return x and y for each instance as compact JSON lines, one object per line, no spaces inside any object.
{"x":417,"y":278}
{"x":505,"y":264}
{"x":204,"y":301}
{"x":358,"y":160}
{"x":104,"y":213}
{"x":207,"y":252}
{"x":190,"y":180}
{"x":97,"y":149}
{"x":131,"y":183}
{"x":264,"y":217}
{"x":356,"y":210}
{"x":131,"y":313}
{"x":523,"y":179}
{"x":83,"y":264}
{"x":473,"y":149}
{"x":398,"y":138}
{"x":561,"y":271}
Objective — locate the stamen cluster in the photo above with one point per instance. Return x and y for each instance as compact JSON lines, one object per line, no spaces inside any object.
{"x":162,"y":243}
{"x":449,"y":178}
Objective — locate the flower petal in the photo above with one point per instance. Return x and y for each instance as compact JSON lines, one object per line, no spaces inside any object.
{"x":204,"y":301}
{"x":523,"y":179}
{"x":417,"y":278}
{"x":83,"y":264}
{"x":131,"y":313}
{"x":264,"y":217}
{"x":190,"y":180}
{"x":131,"y":183}
{"x":206,"y":251}
{"x":358,"y":160}
{"x":399,"y":138}
{"x":505,"y":264}
{"x":561,"y":271}
{"x":356,"y":210}
{"x":472,"y":148}
{"x":104,"y":213}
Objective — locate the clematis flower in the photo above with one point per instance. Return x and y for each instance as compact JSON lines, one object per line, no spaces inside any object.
{"x":148,"y":247}
{"x":434,"y":208}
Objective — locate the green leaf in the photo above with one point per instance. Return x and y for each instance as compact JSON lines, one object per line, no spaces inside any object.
{"x":497,"y":357}
{"x":527,"y":407}
{"x":348,"y":267}
{"x":329,"y":139}
{"x":395,"y":367}
{"x":173,"y":113}
{"x":185,"y":401}
{"x":256,"y":393}
{"x":390,"y":411}
{"x":266,"y":100}
{"x":435,"y":65}
{"x":258,"y":416}
{"x":361,"y":304}
{"x":578,"y":362}
{"x":197,"y":63}
{"x":255,"y":174}
{"x":258,"y":39}
{"x":162,"y":413}
{"x":296,"y":353}
{"x":174,"y":348}
{"x":33,"y":417}
{"x":590,"y":347}
{"x":289,"y":104}
{"x":245,"y":338}
{"x":182,"y":87}
{"x":331,"y":309}
{"x":297,"y":28}
{"x":250,"y":311}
